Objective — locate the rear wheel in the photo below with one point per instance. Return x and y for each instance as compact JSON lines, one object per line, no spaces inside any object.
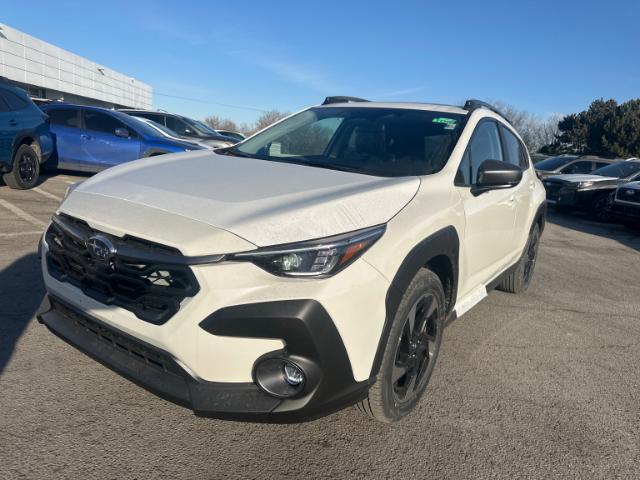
{"x":411,"y":350}
{"x":25,"y":169}
{"x":518,"y":280}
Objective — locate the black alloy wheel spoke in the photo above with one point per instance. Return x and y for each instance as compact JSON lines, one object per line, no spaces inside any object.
{"x":416,"y":347}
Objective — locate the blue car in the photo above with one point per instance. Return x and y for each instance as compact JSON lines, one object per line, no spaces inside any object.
{"x":90,"y":139}
{"x":25,"y":140}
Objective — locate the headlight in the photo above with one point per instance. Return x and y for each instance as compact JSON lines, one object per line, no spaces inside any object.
{"x":585,"y":184}
{"x":70,"y":189}
{"x":316,"y":258}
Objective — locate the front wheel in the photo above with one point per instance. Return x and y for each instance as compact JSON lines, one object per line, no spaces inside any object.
{"x":411,"y":350}
{"x":600,"y":209}
{"x":25,"y":169}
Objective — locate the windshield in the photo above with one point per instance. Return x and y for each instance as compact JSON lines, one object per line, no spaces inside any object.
{"x":619,"y":170}
{"x":199,"y":127}
{"x":205,"y":128}
{"x":387,"y":142}
{"x":157,"y":126}
{"x":142,"y":127}
{"x":553,"y":163}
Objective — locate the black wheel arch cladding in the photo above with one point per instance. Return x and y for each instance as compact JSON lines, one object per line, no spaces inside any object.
{"x":445,"y":244}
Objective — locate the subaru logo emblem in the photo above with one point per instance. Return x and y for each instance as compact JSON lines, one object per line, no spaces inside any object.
{"x":630,"y":192}
{"x":100,"y":248}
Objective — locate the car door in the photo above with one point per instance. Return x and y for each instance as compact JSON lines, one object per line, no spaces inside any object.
{"x":490,"y":217}
{"x":516,"y":154}
{"x":104,"y":143}
{"x":8,"y":131}
{"x":65,"y":127}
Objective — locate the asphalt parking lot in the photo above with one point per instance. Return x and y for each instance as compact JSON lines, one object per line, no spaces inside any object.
{"x":546,"y":384}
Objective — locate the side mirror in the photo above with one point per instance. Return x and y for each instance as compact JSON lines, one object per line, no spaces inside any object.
{"x":496,"y":175}
{"x":122,"y":133}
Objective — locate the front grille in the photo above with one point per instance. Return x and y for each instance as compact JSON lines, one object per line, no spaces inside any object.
{"x":143,"y":277}
{"x":630,"y":195}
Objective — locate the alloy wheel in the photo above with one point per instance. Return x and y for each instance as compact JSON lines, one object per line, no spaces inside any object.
{"x":416,"y":350}
{"x":27,"y":167}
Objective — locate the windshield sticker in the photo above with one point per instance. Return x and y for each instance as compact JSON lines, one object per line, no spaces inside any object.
{"x":447,"y":123}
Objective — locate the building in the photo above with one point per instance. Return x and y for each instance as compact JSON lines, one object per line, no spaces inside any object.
{"x":51,"y":73}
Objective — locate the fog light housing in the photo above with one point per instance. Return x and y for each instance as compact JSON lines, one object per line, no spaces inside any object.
{"x":279,"y":377}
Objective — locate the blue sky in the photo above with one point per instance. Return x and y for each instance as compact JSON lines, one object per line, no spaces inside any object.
{"x":544,"y":56}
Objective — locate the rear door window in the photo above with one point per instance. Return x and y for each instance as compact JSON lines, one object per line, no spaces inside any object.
{"x":4,"y":106}
{"x":15,"y":102}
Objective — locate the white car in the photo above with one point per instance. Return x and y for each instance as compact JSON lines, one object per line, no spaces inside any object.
{"x":311,"y":267}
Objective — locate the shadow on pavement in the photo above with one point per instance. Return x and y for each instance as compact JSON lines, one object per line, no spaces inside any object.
{"x":21,"y":291}
{"x":581,"y":223}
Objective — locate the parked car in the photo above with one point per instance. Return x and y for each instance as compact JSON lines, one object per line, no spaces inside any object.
{"x":185,"y":127}
{"x":91,"y":139}
{"x":166,"y":133}
{"x":235,"y":135}
{"x":311,"y":267}
{"x":590,"y":192}
{"x":626,"y":204}
{"x":571,"y":164}
{"x":25,"y":139}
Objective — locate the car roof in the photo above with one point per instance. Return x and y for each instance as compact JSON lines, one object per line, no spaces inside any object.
{"x":434,"y":107}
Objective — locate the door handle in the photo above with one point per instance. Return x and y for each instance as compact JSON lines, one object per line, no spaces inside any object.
{"x":532,"y":185}
{"x":13,"y":122}
{"x":84,"y":136}
{"x":512,"y":200}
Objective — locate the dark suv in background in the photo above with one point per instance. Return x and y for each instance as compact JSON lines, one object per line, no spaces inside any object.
{"x":25,"y":139}
{"x":185,"y":127}
{"x":590,"y":192}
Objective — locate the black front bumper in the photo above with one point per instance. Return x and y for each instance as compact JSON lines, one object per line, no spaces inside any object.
{"x":158,"y":372}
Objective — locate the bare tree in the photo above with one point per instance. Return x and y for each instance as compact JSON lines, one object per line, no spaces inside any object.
{"x":268,"y":118}
{"x":263,"y":121}
{"x":535,"y":131}
{"x":221,"y":123}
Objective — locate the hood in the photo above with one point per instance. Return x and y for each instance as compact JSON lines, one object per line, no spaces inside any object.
{"x":262,"y":202}
{"x":577,"y":178}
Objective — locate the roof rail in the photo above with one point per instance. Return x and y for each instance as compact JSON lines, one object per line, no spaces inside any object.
{"x":473,"y":104}
{"x":330,"y":100}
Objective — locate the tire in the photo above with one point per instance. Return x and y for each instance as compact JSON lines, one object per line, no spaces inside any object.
{"x":600,"y":208}
{"x":518,"y":280}
{"x":407,"y":365}
{"x":25,"y":169}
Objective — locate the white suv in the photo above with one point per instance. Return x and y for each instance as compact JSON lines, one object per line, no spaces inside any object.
{"x":310,"y":267}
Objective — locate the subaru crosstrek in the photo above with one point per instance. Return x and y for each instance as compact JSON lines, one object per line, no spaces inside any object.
{"x":25,"y":140}
{"x":311,"y":267}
